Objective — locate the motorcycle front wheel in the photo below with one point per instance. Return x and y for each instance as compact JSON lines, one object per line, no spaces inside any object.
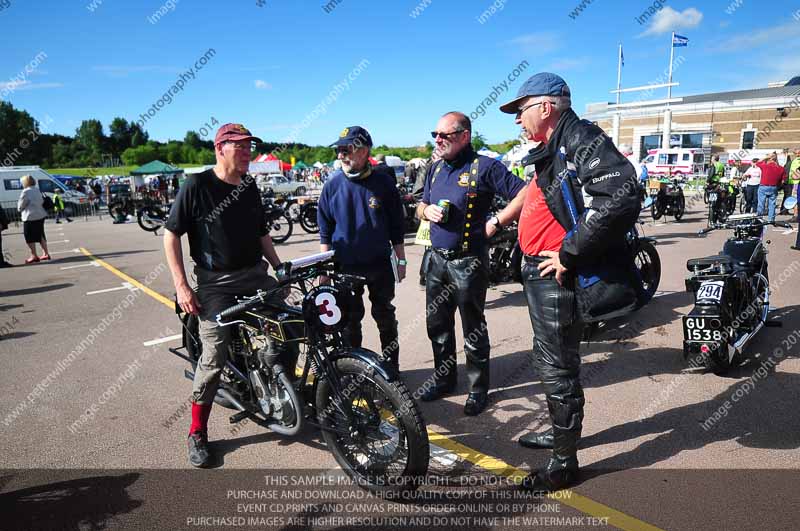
{"x":151,"y":218}
{"x":385,"y":448}
{"x":649,"y":265}
{"x":680,"y":207}
{"x":280,"y":228}
{"x":656,"y":209}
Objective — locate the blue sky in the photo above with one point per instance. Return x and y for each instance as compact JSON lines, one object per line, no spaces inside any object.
{"x":274,"y":64}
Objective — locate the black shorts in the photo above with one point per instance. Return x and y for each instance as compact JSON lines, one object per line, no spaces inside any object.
{"x":33,"y":231}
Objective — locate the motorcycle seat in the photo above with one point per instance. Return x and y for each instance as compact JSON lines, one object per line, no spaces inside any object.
{"x":708,"y":261}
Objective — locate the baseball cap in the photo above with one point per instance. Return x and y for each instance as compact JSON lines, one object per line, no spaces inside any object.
{"x":234,"y":133}
{"x":354,"y":135}
{"x":541,"y":84}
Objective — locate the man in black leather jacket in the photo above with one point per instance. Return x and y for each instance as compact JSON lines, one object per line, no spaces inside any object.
{"x":580,"y":203}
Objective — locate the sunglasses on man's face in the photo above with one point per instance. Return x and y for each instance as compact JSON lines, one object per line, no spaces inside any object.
{"x":434,"y":134}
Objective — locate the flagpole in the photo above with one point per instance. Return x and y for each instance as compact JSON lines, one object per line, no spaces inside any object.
{"x":671,"y":58}
{"x":619,"y":73}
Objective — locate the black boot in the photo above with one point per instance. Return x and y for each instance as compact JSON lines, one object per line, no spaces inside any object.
{"x":199,"y":453}
{"x":538,"y":440}
{"x":559,"y":473}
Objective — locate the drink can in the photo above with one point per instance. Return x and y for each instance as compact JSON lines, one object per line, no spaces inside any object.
{"x":444,"y":204}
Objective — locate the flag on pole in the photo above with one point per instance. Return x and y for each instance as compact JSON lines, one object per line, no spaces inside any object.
{"x":679,"y":41}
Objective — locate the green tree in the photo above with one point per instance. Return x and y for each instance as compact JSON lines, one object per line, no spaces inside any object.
{"x":139,"y":136}
{"x":478,"y":141}
{"x":140,"y":155}
{"x":120,"y":134}
{"x":193,"y":139}
{"x":90,"y":135}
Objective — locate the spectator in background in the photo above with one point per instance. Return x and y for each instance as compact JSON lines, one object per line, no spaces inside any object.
{"x":772,"y":177}
{"x":752,"y":178}
{"x":31,"y":205}
{"x":3,"y":226}
{"x":792,"y":169}
{"x":176,"y":185}
{"x":58,"y":206}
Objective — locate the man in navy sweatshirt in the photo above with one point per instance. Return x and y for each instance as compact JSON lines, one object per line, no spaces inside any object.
{"x":361,"y":217}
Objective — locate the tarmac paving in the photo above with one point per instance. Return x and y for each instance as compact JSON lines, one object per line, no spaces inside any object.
{"x":118,"y":411}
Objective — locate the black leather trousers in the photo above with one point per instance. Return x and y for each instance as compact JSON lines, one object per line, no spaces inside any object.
{"x":458,"y":283}
{"x":557,"y":333}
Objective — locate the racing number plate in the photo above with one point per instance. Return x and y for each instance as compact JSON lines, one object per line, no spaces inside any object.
{"x":699,"y":329}
{"x":712,"y":197}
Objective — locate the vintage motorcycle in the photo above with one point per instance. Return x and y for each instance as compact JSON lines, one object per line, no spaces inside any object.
{"x":505,"y":256}
{"x":367,"y":416}
{"x":152,"y":217}
{"x":721,"y":201}
{"x":731,"y":292}
{"x":668,"y":198}
{"x":409,"y":208}
{"x":302,"y":210}
{"x":278,"y":222}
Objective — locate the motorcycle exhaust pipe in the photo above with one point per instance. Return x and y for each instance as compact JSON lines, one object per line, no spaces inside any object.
{"x":223,"y":393}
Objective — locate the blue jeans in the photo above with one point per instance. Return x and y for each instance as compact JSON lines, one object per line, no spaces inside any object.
{"x":767,"y":193}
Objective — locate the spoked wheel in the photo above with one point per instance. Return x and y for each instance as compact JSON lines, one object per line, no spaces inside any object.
{"x":151,"y":218}
{"x":117,"y":209}
{"x":280,"y":229}
{"x":385,"y":449}
{"x":308,"y":219}
{"x":742,"y":203}
{"x":656,"y":209}
{"x":649,"y":265}
{"x":293,"y":212}
{"x":760,"y":286}
{"x":705,"y":196}
{"x":680,"y":207}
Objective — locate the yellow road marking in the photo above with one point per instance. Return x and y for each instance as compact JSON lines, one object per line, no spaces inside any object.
{"x":567,"y":497}
{"x":157,"y":296}
{"x":491,"y":464}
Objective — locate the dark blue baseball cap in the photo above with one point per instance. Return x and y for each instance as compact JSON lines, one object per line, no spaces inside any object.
{"x":541,"y":84}
{"x":354,"y":135}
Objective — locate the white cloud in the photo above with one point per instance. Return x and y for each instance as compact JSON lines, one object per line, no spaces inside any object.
{"x":559,"y":65}
{"x":786,"y":34}
{"x":668,"y":20}
{"x":125,"y":71}
{"x":536,"y":43}
{"x":262,"y":85}
{"x":27,"y":85}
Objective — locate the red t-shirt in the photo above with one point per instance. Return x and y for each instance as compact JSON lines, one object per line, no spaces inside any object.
{"x":771,"y":174}
{"x":538,"y":229}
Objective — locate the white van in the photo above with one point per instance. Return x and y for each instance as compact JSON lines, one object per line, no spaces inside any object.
{"x":11,"y":187}
{"x":677,"y":162}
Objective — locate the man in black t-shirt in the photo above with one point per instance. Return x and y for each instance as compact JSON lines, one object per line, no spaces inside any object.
{"x":220,"y":210}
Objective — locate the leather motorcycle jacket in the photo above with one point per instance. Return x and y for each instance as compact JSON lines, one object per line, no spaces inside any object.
{"x":589,"y":187}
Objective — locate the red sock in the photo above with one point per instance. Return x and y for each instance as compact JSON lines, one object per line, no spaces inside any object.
{"x":200,"y":415}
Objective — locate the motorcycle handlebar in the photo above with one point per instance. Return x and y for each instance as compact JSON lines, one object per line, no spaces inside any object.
{"x":238,"y":308}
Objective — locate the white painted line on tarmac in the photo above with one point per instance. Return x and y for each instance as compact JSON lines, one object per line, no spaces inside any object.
{"x":66,"y":252}
{"x":125,"y":285}
{"x":90,"y":264}
{"x":59,"y":241}
{"x":161,"y":340}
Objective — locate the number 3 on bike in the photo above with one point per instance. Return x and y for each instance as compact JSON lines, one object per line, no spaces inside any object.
{"x":367,"y":416}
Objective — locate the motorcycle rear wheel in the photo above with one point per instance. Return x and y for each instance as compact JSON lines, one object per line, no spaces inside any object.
{"x":151,"y":218}
{"x":280,"y":228}
{"x":308,"y":219}
{"x":649,"y":265}
{"x":387,"y":451}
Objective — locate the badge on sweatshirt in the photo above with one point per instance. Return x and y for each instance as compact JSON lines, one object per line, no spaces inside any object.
{"x":463,"y":179}
{"x":374,"y":202}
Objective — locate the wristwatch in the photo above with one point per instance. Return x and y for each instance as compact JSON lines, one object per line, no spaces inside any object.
{"x":494,"y":220}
